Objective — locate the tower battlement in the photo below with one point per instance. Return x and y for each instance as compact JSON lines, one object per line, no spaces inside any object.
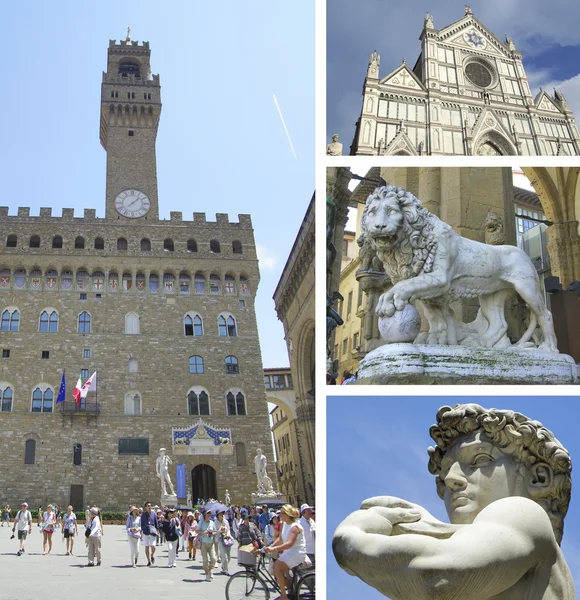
{"x":90,"y":214}
{"x":132,"y":44}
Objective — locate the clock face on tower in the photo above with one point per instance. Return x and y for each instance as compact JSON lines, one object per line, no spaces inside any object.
{"x":132,"y":204}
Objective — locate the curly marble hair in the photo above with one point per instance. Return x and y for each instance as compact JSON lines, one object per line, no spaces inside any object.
{"x":515,"y":435}
{"x":416,"y":243}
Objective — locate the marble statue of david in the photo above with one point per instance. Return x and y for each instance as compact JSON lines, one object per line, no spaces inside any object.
{"x":505,"y":480}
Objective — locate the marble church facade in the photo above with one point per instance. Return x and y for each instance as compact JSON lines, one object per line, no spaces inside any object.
{"x":467,"y":94}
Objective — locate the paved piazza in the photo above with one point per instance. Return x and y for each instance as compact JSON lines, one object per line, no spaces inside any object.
{"x":56,"y":576}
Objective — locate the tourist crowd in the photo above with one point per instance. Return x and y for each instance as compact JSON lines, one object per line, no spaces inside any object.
{"x":212,"y":531}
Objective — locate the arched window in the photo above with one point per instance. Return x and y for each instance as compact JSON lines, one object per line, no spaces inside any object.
{"x":241,"y":459}
{"x":121,"y":244}
{"x":145,"y":245}
{"x":48,"y":321}
{"x":34,"y":241}
{"x":77,"y":454}
{"x":132,"y":323}
{"x":153,"y":282}
{"x":99,"y":243}
{"x":214,"y":247}
{"x":193,"y":325}
{"x":184,"y":283}
{"x":11,"y":241}
{"x":230,"y":285}
{"x":237,"y":247}
{"x":79,"y":242}
{"x":10,"y":320}
{"x":199,"y":283}
{"x":227,"y":327}
{"x":132,"y":403}
{"x":214,"y":284}
{"x":57,"y":241}
{"x":6,"y":396}
{"x":29,"y":452}
{"x":42,"y":400}
{"x":232,"y":364}
{"x":168,"y":245}
{"x":191,"y":246}
{"x":198,"y":402}
{"x":84,"y":322}
{"x":133,"y":365}
{"x":196,"y":365}
{"x":236,"y":403}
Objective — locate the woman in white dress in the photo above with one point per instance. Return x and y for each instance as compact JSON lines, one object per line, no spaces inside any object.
{"x":291,"y":546}
{"x":134,"y":534}
{"x":48,"y":524}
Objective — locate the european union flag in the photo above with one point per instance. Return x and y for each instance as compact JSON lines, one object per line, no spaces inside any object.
{"x":62,"y":391}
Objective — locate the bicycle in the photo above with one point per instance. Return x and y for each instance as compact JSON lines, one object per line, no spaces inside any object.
{"x":255,"y":581}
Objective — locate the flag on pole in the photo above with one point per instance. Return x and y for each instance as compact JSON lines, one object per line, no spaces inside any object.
{"x":62,"y":390}
{"x":77,"y":392}
{"x":90,"y":385}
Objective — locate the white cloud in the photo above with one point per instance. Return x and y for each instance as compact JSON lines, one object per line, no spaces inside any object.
{"x":268,"y":259}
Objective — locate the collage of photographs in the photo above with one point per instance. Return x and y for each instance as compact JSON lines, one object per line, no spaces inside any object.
{"x":190,"y":190}
{"x":452,"y":300}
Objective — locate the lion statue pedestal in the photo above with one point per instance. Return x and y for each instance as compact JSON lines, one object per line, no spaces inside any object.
{"x":405,"y":364}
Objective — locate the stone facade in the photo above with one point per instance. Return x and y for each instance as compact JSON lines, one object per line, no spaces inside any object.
{"x":294,"y":299}
{"x":163,"y":311}
{"x":467,"y":94}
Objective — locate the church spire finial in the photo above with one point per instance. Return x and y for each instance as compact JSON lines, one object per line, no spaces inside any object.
{"x":468,"y":10}
{"x":128,"y":38}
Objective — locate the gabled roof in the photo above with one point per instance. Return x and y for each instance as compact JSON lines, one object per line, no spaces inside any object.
{"x":405,"y":78}
{"x":455,"y":31}
{"x":543,"y":101}
{"x":401,"y":143}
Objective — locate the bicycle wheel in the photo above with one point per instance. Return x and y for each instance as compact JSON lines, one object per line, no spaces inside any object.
{"x":246,"y":585}
{"x":306,"y":589}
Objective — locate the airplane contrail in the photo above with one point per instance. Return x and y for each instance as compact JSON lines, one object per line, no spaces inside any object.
{"x":285,"y":128}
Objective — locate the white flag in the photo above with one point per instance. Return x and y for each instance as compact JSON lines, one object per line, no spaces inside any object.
{"x":90,"y":385}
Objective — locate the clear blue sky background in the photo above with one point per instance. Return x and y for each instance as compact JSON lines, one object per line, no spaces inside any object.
{"x":378,"y":446}
{"x":546,"y":32}
{"x":221,"y":145}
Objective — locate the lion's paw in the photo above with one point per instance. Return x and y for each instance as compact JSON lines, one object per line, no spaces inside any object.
{"x":385,"y":305}
{"x":437,"y":338}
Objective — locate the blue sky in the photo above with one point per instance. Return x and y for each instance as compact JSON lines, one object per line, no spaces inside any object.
{"x":221,"y":145}
{"x":381,"y":449}
{"x":546,"y":32}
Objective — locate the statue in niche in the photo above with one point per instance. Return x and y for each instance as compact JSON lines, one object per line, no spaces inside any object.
{"x":430,"y":263}
{"x":335,"y":147}
{"x":228,"y":499}
{"x":264,"y":482}
{"x":506,"y":482}
{"x":162,"y":469}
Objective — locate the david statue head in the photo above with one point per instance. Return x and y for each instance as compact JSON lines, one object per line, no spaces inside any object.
{"x":506,"y":482}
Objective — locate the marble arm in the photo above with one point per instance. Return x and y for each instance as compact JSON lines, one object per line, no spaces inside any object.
{"x":479,"y":561}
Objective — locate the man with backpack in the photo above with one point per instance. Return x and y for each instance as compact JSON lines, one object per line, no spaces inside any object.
{"x":23,"y":521}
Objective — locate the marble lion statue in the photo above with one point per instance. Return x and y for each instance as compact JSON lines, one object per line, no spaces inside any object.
{"x":428,"y":262}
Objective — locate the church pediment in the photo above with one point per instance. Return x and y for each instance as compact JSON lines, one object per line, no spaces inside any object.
{"x":544,"y":102}
{"x":403,"y":77}
{"x":469,"y":34}
{"x":488,"y":129}
{"x":202,"y":438}
{"x":402,"y":145}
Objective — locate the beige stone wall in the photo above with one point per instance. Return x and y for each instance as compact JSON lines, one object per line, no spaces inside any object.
{"x":161,"y":348}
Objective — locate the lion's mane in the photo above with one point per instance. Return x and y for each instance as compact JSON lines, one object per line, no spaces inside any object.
{"x":416,"y":243}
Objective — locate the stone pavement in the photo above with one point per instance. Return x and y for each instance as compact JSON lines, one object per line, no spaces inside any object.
{"x":59,"y":577}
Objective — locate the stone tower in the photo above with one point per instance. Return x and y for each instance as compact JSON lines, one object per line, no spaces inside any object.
{"x":130,"y":110}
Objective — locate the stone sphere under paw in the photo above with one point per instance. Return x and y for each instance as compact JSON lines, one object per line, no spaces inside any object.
{"x":403,"y":326}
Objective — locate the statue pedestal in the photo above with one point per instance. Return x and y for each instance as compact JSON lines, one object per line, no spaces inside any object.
{"x":258,"y":498}
{"x":168,"y":500}
{"x":404,"y":364}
